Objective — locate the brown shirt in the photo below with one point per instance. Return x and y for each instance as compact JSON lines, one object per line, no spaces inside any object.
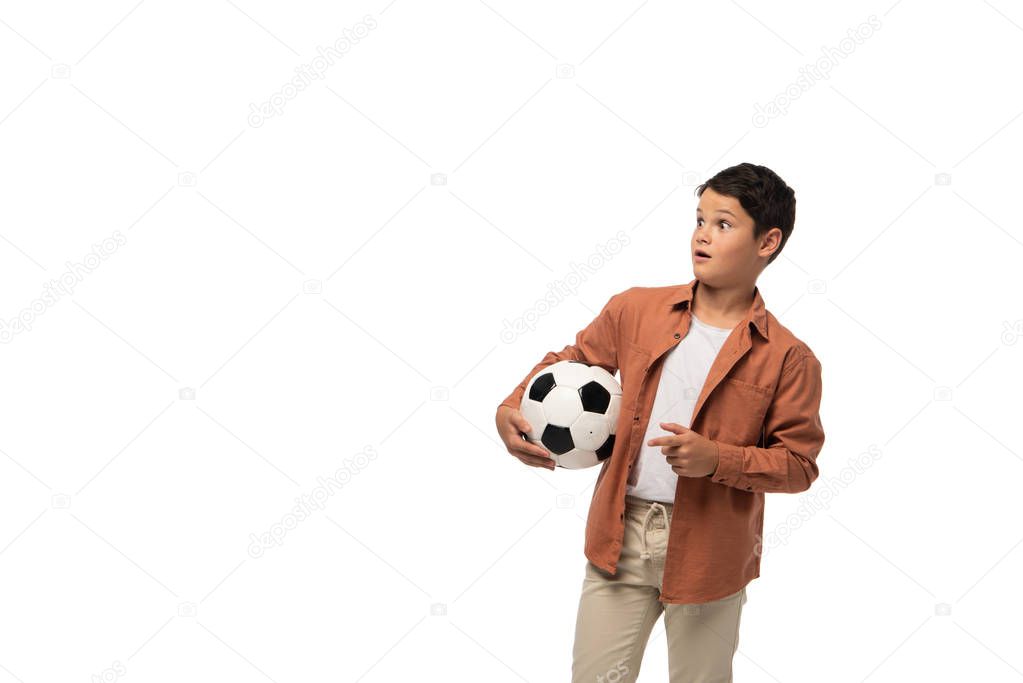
{"x":760,"y":404}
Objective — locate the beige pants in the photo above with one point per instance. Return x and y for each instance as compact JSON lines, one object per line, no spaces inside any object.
{"x":617,"y":613}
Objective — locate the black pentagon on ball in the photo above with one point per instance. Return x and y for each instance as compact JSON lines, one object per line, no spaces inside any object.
{"x":542,"y":386}
{"x":604,"y":452}
{"x":595,"y":397}
{"x":558,"y":440}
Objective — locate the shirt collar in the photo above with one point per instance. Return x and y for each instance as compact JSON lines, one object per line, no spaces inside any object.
{"x":757,"y":313}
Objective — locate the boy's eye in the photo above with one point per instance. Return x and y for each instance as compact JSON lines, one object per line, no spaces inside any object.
{"x":724,"y":224}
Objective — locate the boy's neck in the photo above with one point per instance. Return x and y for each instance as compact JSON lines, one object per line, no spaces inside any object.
{"x":721,"y":307}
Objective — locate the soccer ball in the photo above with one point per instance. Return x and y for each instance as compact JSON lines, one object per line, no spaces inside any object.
{"x":573,"y":408}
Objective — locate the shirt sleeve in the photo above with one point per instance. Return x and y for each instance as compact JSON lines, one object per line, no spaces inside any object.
{"x":794,"y":437}
{"x":595,"y":344}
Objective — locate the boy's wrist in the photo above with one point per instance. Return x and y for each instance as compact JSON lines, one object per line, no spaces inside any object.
{"x":717,"y":460}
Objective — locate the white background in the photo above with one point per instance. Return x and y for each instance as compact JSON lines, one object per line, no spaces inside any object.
{"x":325,"y":292}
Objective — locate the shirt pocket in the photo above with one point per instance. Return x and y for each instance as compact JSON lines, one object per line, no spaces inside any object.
{"x":743,"y":407}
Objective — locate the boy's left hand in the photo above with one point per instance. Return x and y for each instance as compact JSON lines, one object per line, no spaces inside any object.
{"x":689,"y":454}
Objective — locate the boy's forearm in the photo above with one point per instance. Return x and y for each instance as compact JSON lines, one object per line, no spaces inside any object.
{"x":794,"y":432}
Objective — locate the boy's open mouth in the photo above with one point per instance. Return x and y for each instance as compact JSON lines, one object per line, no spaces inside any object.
{"x":701,"y":252}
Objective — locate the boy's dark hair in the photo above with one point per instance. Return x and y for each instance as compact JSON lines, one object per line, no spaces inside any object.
{"x":764,"y":196}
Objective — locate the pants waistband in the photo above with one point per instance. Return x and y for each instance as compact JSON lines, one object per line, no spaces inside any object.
{"x":643,"y":502}
{"x":651,"y":506}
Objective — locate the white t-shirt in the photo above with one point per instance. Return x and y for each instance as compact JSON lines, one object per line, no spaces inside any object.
{"x":685,"y":370}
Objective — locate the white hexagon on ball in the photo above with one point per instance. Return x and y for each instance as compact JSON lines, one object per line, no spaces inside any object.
{"x":590,"y":431}
{"x":562,"y":406}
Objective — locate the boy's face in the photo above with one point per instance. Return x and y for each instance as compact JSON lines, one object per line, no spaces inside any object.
{"x":724,"y":231}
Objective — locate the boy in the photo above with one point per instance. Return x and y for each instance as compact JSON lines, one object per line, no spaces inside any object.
{"x":737,"y":416}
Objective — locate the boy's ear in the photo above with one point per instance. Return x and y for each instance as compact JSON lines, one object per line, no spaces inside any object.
{"x":771,"y":238}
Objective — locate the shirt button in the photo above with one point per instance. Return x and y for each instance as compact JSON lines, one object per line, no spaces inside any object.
{"x":677,"y":335}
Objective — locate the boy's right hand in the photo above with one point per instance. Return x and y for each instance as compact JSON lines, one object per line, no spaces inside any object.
{"x":512,"y":427}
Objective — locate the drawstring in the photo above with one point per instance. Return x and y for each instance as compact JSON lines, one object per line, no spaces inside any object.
{"x":645,"y":554}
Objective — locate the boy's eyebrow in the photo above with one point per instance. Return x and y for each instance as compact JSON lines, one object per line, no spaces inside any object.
{"x":719,"y":211}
